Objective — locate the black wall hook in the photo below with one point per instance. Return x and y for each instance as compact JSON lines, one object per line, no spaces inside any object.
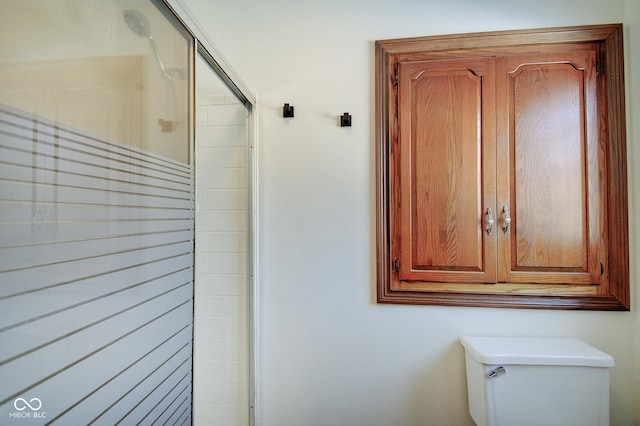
{"x":287,"y":111}
{"x":345,"y":120}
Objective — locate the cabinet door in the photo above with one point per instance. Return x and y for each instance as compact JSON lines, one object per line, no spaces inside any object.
{"x":528,"y":120}
{"x":443,"y":171}
{"x":550,"y":169}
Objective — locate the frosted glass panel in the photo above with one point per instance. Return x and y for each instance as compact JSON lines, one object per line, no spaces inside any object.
{"x":115,"y":68}
{"x":96,"y":215}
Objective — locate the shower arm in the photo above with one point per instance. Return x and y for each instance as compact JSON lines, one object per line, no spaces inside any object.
{"x":152,"y":43}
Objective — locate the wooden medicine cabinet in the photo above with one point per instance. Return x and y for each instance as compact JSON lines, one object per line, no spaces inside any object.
{"x":501,"y":169}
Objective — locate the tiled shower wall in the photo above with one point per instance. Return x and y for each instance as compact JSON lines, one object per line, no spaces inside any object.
{"x":220,"y":360}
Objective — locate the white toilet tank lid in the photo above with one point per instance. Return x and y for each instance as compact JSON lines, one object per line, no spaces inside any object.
{"x":535,"y":351}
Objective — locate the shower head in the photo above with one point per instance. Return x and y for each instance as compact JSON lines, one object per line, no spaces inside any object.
{"x":137,"y":22}
{"x":139,"y":25}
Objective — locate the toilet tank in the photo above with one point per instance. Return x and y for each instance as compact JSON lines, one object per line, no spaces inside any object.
{"x":518,"y":381}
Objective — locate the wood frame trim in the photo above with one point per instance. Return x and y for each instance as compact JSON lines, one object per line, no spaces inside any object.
{"x":610,"y":37}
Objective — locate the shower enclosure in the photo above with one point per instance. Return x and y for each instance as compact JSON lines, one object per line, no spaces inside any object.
{"x":113,"y":232}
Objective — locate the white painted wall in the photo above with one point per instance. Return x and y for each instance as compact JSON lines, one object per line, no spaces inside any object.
{"x":329,"y":354}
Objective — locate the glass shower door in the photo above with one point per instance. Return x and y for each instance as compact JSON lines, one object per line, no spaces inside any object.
{"x":96,"y":213}
{"x":223,"y":253}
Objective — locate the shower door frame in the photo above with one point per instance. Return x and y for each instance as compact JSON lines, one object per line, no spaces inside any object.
{"x":204,"y":46}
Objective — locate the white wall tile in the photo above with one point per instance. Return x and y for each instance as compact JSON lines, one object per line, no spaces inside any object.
{"x":200,"y":306}
{"x":236,"y":263}
{"x":236,"y":136}
{"x":201,"y":244}
{"x":236,"y":114}
{"x":236,"y":350}
{"x":217,"y":136}
{"x":201,"y":116}
{"x":200,"y":347}
{"x":218,"y":350}
{"x":237,"y":242}
{"x":201,"y":203}
{"x":236,"y":328}
{"x":217,"y":199}
{"x":217,"y":284}
{"x":206,"y":100}
{"x":202,"y":178}
{"x":237,"y":157}
{"x":216,"y":306}
{"x":217,"y":178}
{"x":201,"y":148}
{"x":200,"y":286}
{"x":199,"y":332}
{"x":237,"y":285}
{"x":237,"y":178}
{"x":223,"y":413}
{"x":217,"y":393}
{"x":216,"y":115}
{"x":237,"y":306}
{"x":217,"y":263}
{"x":237,"y":199}
{"x":216,"y":329}
{"x":221,"y":217}
{"x":216,"y":373}
{"x":218,"y":157}
{"x":237,"y":221}
{"x":217,"y":221}
{"x":200,"y":263}
{"x":236,"y":372}
{"x":217,"y":242}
